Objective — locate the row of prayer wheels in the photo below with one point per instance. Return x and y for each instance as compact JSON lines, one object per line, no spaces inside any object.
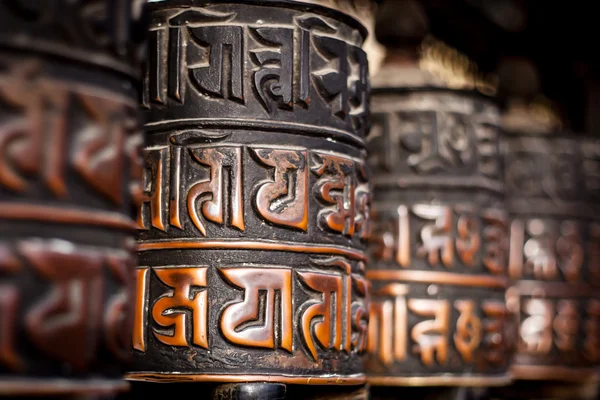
{"x":275,"y":221}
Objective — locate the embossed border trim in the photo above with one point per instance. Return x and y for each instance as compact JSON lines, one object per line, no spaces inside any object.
{"x":184,"y":124}
{"x":348,"y":380}
{"x":473,"y":381}
{"x":234,"y":244}
{"x":437,"y":277}
{"x":65,"y":216}
{"x":294,"y":4}
{"x":16,"y":386}
{"x":565,"y":374}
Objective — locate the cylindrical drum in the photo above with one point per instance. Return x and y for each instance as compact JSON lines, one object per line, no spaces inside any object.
{"x":438,"y":315}
{"x":256,"y":195}
{"x":70,"y":159}
{"x":552,"y":196}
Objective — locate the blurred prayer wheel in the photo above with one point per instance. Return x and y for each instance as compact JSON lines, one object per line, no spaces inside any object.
{"x":256,"y":202}
{"x":552,"y":190}
{"x":70,"y":143}
{"x":554,"y":255}
{"x":439,"y":244}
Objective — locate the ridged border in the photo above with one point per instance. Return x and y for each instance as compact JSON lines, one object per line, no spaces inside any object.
{"x":293,"y":4}
{"x":349,"y":380}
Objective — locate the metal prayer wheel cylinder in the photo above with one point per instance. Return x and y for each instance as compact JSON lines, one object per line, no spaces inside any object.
{"x":439,"y":244}
{"x":256,"y":208}
{"x":552,"y":196}
{"x":70,"y":147}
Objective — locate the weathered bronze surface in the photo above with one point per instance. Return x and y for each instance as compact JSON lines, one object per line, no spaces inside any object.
{"x":439,"y":276}
{"x":552,"y":196}
{"x":69,"y":148}
{"x":256,"y":196}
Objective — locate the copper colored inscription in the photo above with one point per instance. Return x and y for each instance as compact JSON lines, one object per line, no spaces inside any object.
{"x":256,"y":202}
{"x":439,"y":242}
{"x":70,"y":143}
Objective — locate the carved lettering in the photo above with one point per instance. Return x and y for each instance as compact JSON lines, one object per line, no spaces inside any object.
{"x":536,"y":334}
{"x":308,"y":23}
{"x":74,"y":315}
{"x":495,"y":242}
{"x":566,"y":325}
{"x":363,"y":203}
{"x":337,"y":185}
{"x":388,"y":325}
{"x":155,"y":179}
{"x":73,"y":308}
{"x":35,"y":142}
{"x":540,"y":258}
{"x":487,"y":150}
{"x":100,"y":159}
{"x":284,"y":199}
{"x":168,"y":39}
{"x":569,"y":251}
{"x":274,"y":78}
{"x":431,"y":336}
{"x":359,"y":88}
{"x":333,"y":82}
{"x":184,"y":310}
{"x":212,"y":193}
{"x":439,"y":141}
{"x":493,"y":326}
{"x":267,"y":299}
{"x":140,"y":320}
{"x":541,"y":250}
{"x":223,"y":77}
{"x":360,"y":315}
{"x":468,"y":329}
{"x":468,"y":241}
{"x":437,"y":243}
{"x":322,"y":320}
{"x":119,"y":311}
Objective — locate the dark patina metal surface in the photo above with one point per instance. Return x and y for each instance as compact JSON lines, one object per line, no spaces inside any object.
{"x":439,"y":245}
{"x":69,"y":147}
{"x":256,"y":196}
{"x":552,"y":196}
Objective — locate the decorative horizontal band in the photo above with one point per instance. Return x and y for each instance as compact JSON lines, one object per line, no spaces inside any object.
{"x":349,"y":380}
{"x":554,"y":289}
{"x":253,"y":124}
{"x":253,"y":245}
{"x":59,"y":215}
{"x":14,"y":386}
{"x":444,"y":278}
{"x":444,"y":380}
{"x":564,"y":374}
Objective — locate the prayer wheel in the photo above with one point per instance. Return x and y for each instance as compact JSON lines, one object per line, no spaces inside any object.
{"x":70,"y":161}
{"x":255,"y":211}
{"x":438,"y":315}
{"x":552,"y":198}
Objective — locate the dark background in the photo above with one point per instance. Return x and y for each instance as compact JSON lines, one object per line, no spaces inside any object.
{"x":560,"y":37}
